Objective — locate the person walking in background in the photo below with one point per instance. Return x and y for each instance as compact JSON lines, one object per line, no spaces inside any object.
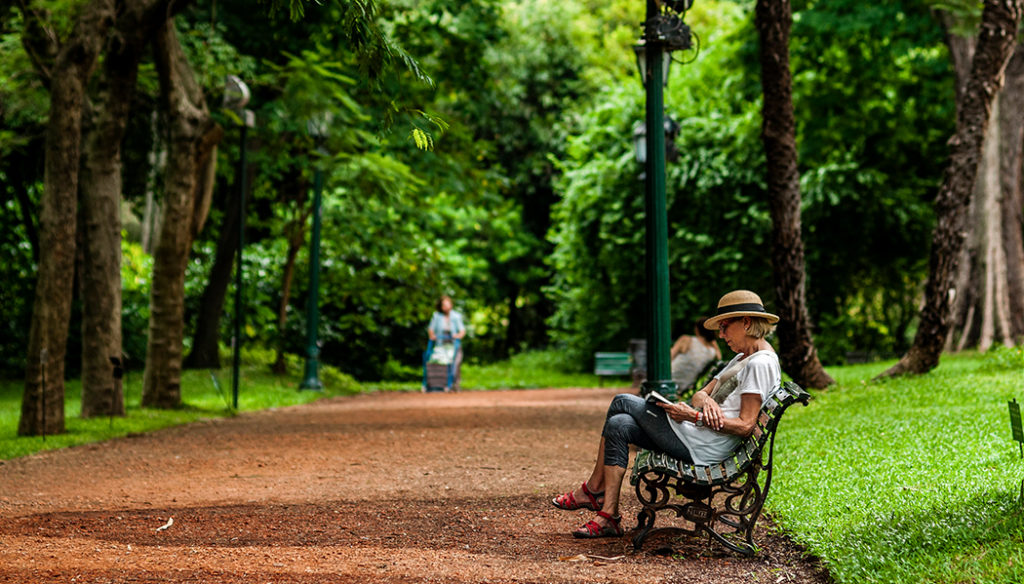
{"x":691,"y":354}
{"x":445,"y":333}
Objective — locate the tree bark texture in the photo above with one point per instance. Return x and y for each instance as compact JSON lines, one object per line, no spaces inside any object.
{"x":101,"y":229}
{"x":192,"y":138}
{"x":996,"y":41}
{"x":797,"y":352}
{"x":42,"y":408}
{"x":989,"y":304}
{"x":1012,"y":200}
{"x":100,"y":192}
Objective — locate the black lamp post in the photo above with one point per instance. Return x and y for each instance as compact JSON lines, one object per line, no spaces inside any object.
{"x":664,"y":32}
{"x":317,"y":127}
{"x":236,"y":97}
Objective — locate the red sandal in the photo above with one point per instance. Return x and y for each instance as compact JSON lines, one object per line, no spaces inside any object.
{"x":568,"y":500}
{"x":592,"y":529}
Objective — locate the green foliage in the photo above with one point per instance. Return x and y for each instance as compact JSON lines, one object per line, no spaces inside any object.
{"x":718,"y":221}
{"x":136,"y":277}
{"x":17,"y":273}
{"x":913,"y":479}
{"x":874,"y":106}
{"x":873,"y":92}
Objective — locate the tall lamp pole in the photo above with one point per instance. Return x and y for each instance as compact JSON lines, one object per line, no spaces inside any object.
{"x":236,"y":97}
{"x":311,"y":377}
{"x":664,"y":32}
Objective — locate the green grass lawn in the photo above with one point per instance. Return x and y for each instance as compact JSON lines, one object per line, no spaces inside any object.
{"x":907,"y":480}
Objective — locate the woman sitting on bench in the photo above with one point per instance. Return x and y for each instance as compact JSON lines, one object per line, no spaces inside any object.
{"x":723,"y":412}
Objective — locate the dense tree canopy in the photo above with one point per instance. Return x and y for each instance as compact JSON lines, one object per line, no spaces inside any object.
{"x":490,"y":157}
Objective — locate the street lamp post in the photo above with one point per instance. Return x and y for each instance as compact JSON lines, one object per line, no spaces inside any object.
{"x":664,"y":32}
{"x":236,"y":97}
{"x":311,"y":377}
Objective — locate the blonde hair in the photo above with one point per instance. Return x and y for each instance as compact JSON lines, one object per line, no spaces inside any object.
{"x":759,"y":327}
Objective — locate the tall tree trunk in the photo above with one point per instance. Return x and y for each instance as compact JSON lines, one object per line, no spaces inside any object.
{"x":205,"y":353}
{"x":192,"y":139}
{"x":996,"y":40}
{"x":1012,"y":201}
{"x":989,"y":302}
{"x":100,"y":191}
{"x":101,"y":229}
{"x":42,"y":407}
{"x":797,"y":353}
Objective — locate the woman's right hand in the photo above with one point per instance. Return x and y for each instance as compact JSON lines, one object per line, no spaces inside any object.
{"x":712,"y":414}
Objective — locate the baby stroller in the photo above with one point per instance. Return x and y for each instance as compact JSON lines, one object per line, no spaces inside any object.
{"x":442,"y":365}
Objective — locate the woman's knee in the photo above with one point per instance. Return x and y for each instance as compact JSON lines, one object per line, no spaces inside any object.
{"x":625,"y":403}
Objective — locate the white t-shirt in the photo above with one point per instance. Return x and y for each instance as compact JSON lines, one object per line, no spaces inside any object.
{"x":758,"y":374}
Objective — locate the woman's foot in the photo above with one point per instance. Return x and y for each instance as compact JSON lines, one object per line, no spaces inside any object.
{"x":604,"y":525}
{"x":581,"y":498}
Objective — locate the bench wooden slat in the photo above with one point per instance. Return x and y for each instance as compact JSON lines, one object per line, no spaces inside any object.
{"x":731,"y":467}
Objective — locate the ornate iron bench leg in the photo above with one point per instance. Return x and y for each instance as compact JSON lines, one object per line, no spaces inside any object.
{"x":645,"y":522}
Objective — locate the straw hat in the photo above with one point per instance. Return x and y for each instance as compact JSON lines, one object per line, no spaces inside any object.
{"x":739,"y":303}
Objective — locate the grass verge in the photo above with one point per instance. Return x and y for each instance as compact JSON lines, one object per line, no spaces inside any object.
{"x":205,"y":394}
{"x":907,"y":480}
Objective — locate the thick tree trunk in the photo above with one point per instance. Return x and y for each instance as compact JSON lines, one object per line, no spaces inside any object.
{"x":996,"y":40}
{"x":989,"y":301}
{"x":100,"y":190}
{"x":1012,"y":200}
{"x":797,"y":353}
{"x":42,"y":408}
{"x":192,"y":138}
{"x":101,"y":224}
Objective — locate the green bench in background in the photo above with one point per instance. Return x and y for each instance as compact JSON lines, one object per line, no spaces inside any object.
{"x":613,"y":365}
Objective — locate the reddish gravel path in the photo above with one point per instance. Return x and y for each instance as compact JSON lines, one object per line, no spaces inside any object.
{"x":449,"y":488}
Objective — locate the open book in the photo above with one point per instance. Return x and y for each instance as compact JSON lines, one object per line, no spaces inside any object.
{"x":655,"y":397}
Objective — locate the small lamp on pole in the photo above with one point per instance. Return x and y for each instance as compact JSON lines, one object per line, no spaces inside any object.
{"x":317,"y":127}
{"x":236,"y":97}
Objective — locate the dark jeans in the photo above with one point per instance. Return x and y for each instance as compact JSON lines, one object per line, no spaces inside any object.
{"x":451,"y":366}
{"x":632,"y":420}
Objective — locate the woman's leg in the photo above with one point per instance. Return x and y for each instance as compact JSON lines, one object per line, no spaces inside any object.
{"x":631,"y":420}
{"x":649,"y":428}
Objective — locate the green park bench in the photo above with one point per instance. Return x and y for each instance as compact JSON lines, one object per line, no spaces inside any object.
{"x":612,"y":364}
{"x":723,"y":500}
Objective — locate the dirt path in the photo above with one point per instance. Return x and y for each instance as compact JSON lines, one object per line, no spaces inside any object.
{"x":374,"y":488}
